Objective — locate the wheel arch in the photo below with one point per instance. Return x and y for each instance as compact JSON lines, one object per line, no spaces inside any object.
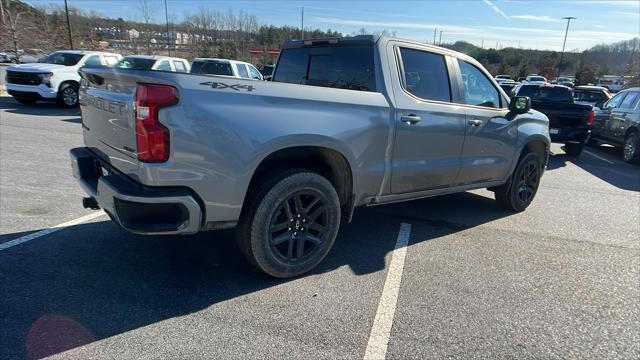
{"x":72,"y":82}
{"x":328,"y":162}
{"x":630,"y":130}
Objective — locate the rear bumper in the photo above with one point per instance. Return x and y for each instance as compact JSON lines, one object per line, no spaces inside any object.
{"x":135,"y":207}
{"x":31,"y":91}
{"x":569,"y":134}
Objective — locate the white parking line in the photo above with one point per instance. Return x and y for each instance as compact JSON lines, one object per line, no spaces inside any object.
{"x":598,"y":157}
{"x":35,"y":235}
{"x":381,"y":329}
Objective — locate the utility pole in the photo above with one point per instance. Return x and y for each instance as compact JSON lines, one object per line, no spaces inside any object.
{"x":568,"y":18}
{"x":440,"y":41}
{"x":166,"y":17}
{"x":302,"y":28}
{"x":66,"y":10}
{"x":482,"y":45}
{"x":435,"y":31}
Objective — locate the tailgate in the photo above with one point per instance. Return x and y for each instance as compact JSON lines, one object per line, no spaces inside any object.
{"x":108,"y":119}
{"x":563,"y":115}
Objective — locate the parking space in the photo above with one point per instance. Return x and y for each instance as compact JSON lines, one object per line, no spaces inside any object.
{"x":561,"y":280}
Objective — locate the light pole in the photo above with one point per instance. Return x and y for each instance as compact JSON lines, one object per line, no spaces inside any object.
{"x":66,"y":10}
{"x":166,"y":17}
{"x":568,"y":18}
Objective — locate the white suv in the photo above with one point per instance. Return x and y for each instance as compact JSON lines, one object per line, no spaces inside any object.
{"x":54,"y":77}
{"x":225,"y":67}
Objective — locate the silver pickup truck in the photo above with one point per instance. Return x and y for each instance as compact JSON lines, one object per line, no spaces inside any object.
{"x":344,"y":123}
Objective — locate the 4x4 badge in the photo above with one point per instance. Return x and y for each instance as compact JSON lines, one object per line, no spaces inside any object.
{"x":219,"y":85}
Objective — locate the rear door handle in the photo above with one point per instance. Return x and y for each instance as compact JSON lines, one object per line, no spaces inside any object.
{"x":475,"y":122}
{"x":410,"y":119}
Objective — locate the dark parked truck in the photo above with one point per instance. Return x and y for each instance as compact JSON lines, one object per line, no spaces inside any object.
{"x":345,"y":123}
{"x":569,"y":123}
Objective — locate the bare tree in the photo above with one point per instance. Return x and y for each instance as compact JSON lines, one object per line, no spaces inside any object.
{"x":146,"y":11}
{"x":11,"y":20}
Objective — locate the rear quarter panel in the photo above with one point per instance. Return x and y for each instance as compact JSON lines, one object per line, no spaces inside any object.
{"x":223,"y":128}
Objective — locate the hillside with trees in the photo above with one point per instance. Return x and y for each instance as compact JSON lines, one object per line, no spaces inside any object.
{"x":225,"y":33}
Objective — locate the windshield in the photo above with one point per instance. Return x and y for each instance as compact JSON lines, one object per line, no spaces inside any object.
{"x":212,"y":68}
{"x":537,"y":78}
{"x":134,"y":63}
{"x":66,"y":59}
{"x":589,"y":96}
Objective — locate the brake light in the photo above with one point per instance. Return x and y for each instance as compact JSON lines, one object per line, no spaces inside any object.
{"x":591,"y":117}
{"x":151,"y":136}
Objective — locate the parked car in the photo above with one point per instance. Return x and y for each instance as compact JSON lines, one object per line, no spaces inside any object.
{"x":55,"y":77}
{"x":507,"y":85}
{"x":618,"y":124}
{"x":4,"y":57}
{"x":224,"y":67}
{"x":154,"y":62}
{"x":595,"y":96}
{"x":535,"y":79}
{"x":286,"y":161}
{"x":569,"y":123}
{"x":613,"y":83}
{"x":521,"y":79}
{"x":565,"y":81}
{"x":501,"y":78}
{"x":267,"y":70}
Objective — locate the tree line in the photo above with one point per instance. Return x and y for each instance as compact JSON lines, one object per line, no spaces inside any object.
{"x":213,"y":32}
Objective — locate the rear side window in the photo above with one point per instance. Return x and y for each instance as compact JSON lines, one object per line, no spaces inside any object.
{"x":212,"y":68}
{"x":179,"y":66}
{"x":93,"y":60}
{"x":478,"y":90}
{"x":425,"y":75}
{"x":342,"y":67}
{"x":111,"y":60}
{"x":593,"y":96}
{"x":629,"y":101}
{"x":242,"y":71}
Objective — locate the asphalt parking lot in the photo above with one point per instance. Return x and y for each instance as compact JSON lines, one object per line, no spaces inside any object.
{"x":561,"y":280}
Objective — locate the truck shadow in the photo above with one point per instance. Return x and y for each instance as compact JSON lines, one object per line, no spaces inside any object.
{"x":43,"y":108}
{"x":94,"y":281}
{"x":604,"y":162}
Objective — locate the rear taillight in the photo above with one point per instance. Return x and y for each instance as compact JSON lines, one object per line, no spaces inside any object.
{"x":590,"y":117}
{"x":151,"y":136}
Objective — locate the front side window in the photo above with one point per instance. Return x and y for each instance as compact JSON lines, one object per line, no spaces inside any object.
{"x":478,"y":90}
{"x":425,"y":75}
{"x":164,"y":66}
{"x":615,"y":101}
{"x":342,"y":67}
{"x":242,"y":71}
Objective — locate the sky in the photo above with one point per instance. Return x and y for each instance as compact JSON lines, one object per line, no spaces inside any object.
{"x":534,"y":24}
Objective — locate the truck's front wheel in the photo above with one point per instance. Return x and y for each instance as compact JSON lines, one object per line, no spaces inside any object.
{"x":290,"y":223}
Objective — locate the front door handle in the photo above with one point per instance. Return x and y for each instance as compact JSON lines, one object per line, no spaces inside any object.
{"x":475,"y":122}
{"x":410,"y":119}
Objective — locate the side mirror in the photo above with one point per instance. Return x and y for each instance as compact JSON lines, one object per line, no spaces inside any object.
{"x":520,"y":104}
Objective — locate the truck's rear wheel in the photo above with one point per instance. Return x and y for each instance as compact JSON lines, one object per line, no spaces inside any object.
{"x":290,"y":223}
{"x":518,"y":193}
